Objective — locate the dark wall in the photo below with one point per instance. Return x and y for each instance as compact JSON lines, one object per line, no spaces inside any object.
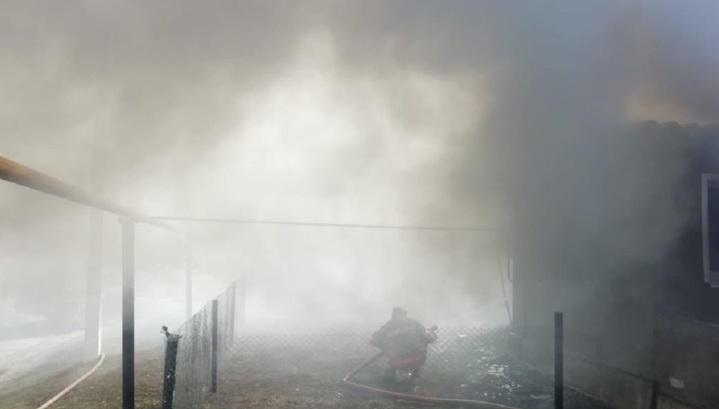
{"x":681,"y":289}
{"x":605,"y":322}
{"x":613,"y":287}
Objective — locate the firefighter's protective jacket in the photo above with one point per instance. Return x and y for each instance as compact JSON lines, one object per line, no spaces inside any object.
{"x":403,"y":340}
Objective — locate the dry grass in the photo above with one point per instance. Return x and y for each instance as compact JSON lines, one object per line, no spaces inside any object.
{"x":287,"y":377}
{"x":290,"y":378}
{"x":99,"y":391}
{"x":31,"y":392}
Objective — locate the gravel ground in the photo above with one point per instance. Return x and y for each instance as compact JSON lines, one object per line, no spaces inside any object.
{"x":306,"y":372}
{"x":102,"y":390}
{"x":29,"y":360}
{"x":31,"y":392}
{"x":288,"y":376}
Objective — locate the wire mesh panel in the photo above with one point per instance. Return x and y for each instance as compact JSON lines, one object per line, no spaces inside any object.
{"x":306,"y":369}
{"x":455,"y":352}
{"x":194,"y":364}
{"x":458,"y":359}
{"x":226,"y":317}
{"x":195,"y":352}
{"x":260,"y":350}
{"x":458,"y":350}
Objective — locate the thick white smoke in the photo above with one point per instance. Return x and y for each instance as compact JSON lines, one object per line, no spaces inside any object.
{"x":409,"y":112}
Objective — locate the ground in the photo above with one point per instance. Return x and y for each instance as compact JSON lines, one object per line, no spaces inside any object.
{"x":23,"y":360}
{"x":294,"y":378}
{"x":306,"y":371}
{"x":101,"y":390}
{"x":28,"y":357}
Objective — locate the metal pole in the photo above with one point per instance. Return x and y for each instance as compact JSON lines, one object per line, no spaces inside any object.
{"x":24,"y":176}
{"x":188,"y":282}
{"x":558,"y":360}
{"x":168,"y":386}
{"x":213,"y":384}
{"x":128,"y":313}
{"x":243,"y":300}
{"x":233,"y":313}
{"x":315,"y":224}
{"x":93,"y":300}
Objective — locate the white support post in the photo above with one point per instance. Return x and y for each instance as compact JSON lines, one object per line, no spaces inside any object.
{"x":93,"y":298}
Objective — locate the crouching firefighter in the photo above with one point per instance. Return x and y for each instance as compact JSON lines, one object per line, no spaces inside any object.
{"x":404,"y":342}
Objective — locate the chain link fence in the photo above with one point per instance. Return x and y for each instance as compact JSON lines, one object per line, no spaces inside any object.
{"x":226,"y":317}
{"x":203,"y":339}
{"x":285,"y":368}
{"x":306,"y":369}
{"x":460,"y":358}
{"x":455,"y":351}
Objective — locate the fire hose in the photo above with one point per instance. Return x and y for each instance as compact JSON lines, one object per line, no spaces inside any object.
{"x":74,"y":384}
{"x":347,"y":380}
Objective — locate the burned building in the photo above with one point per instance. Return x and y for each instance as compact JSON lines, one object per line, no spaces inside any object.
{"x":630,"y":255}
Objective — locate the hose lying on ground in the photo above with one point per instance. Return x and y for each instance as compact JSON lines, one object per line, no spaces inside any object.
{"x":408,"y":396}
{"x":74,"y":384}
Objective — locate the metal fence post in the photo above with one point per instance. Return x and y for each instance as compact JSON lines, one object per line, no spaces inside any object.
{"x":243,"y":299}
{"x":168,"y":385}
{"x":128,"y":313}
{"x":213,"y":380}
{"x":233,"y":313}
{"x":188,"y":281}
{"x":558,"y":360}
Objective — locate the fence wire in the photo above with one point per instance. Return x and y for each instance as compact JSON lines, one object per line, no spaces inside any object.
{"x":194,"y":355}
{"x":226,"y":317}
{"x":305,"y":370}
{"x":456,"y":350}
{"x":281,"y":369}
{"x":460,"y":358}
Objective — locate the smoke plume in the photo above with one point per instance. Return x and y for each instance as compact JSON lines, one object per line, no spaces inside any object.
{"x":494,"y":114}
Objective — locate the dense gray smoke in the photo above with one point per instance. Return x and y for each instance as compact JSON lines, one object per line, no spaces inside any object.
{"x":556,"y":81}
{"x":404,"y":112}
{"x":681,"y":62}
